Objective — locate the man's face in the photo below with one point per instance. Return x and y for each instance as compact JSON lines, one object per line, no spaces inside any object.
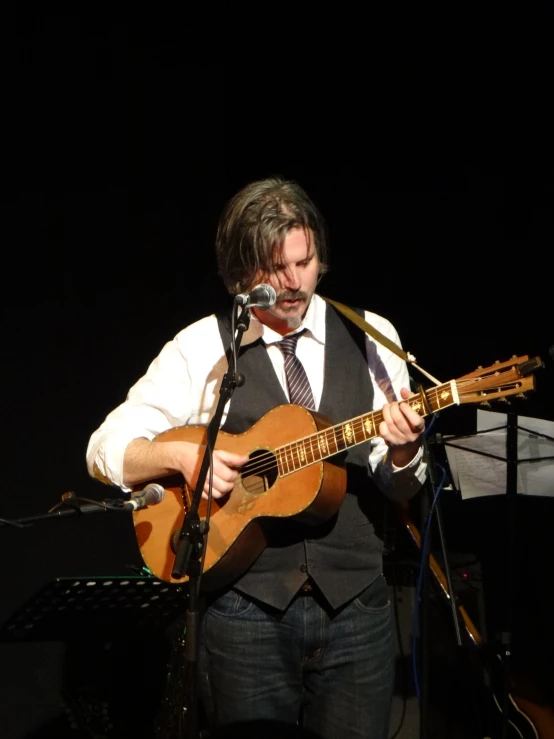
{"x":294,"y":277}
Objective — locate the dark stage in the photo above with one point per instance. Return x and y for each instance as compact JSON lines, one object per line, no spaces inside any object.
{"x":434,"y":172}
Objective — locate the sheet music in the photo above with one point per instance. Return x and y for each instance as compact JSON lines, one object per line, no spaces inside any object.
{"x":478,"y":463}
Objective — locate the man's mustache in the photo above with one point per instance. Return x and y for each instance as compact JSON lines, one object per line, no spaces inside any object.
{"x":288,"y":295}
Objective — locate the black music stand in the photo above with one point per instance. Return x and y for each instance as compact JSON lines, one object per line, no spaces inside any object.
{"x":114,"y":628}
{"x":69,"y":608}
{"x":501,"y":456}
{"x":497,"y":460}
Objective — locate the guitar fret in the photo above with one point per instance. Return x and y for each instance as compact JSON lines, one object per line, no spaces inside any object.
{"x":316,"y":448}
{"x":303,"y":457}
{"x":328,"y":442}
{"x":322,"y":445}
{"x":286,"y":461}
{"x":280,"y":465}
{"x":359,"y":433}
{"x":300,"y":454}
{"x":334,"y":440}
{"x":368,"y":426}
{"x":448,"y":395}
{"x":295,"y":456}
{"x":308,"y":445}
{"x":301,"y":450}
{"x":310,"y":459}
{"x":437,"y":398}
{"x":290,"y":457}
{"x":348,"y":433}
{"x":339,"y":439}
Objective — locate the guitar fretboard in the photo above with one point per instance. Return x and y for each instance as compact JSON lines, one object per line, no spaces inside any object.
{"x":335,"y":439}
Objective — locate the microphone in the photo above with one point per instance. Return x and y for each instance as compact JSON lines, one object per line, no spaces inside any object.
{"x":262,"y":296}
{"x":151,"y":495}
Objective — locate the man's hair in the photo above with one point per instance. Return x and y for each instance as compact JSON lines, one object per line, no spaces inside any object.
{"x":253,"y":227}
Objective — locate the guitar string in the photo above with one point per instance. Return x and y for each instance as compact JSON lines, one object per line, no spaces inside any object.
{"x":268,"y":462}
{"x":291,"y":454}
{"x":311,"y":446}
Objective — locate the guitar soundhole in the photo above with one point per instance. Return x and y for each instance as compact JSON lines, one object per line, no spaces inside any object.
{"x":260,"y":472}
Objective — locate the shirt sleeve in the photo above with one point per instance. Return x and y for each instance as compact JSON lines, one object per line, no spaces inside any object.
{"x":169,"y":394}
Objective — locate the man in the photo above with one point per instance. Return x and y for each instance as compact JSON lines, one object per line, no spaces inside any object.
{"x":303,"y":636}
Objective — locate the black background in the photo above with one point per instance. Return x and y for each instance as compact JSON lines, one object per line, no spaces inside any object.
{"x":430,"y":155}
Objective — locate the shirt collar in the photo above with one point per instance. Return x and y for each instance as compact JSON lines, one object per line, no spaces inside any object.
{"x":314,"y":322}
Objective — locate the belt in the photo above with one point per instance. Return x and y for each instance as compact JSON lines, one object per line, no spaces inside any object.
{"x":307,"y":588}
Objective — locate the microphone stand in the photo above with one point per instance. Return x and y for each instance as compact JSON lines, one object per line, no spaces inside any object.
{"x":194,"y":532}
{"x":70,"y":505}
{"x":429,"y":510}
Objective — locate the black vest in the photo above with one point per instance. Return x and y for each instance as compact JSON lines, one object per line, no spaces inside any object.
{"x":343,"y":555}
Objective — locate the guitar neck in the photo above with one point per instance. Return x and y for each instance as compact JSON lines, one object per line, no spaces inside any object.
{"x":335,"y":439}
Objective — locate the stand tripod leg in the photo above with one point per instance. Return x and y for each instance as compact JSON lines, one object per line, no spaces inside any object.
{"x":170,"y":719}
{"x":423,"y":628}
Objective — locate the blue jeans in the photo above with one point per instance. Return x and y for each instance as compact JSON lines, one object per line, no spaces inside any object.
{"x":331,"y":672}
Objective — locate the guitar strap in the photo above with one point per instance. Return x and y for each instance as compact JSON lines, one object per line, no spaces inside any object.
{"x":369,"y":329}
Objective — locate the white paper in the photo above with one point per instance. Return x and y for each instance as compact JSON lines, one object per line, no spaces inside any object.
{"x":479,"y":464}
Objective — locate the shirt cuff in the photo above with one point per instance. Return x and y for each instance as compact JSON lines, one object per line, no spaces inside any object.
{"x":414,"y":462}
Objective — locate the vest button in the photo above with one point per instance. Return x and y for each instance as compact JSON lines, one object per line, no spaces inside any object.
{"x":304,"y":568}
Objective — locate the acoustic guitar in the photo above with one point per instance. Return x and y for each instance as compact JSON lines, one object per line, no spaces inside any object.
{"x":291,"y":473}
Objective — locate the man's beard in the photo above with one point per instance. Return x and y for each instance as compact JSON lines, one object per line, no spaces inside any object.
{"x":294,"y":321}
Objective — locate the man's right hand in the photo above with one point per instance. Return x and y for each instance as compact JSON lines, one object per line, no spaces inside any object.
{"x":226,"y":469}
{"x":147,"y":460}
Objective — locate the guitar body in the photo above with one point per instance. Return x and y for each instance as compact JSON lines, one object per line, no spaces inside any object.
{"x":510,"y":716}
{"x":540,"y":717}
{"x":312,"y":494}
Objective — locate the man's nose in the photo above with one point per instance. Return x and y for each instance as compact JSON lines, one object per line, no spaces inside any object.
{"x":292,"y":279}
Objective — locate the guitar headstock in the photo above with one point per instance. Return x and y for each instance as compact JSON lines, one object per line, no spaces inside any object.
{"x":499,"y":380}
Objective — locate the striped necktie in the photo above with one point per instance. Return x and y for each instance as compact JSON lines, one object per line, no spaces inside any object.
{"x":298,"y":384}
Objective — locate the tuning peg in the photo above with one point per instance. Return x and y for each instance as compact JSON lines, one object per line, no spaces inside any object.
{"x":485,"y":403}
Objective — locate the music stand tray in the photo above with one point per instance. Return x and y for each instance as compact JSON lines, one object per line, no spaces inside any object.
{"x":70,"y":607}
{"x":503,"y":457}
